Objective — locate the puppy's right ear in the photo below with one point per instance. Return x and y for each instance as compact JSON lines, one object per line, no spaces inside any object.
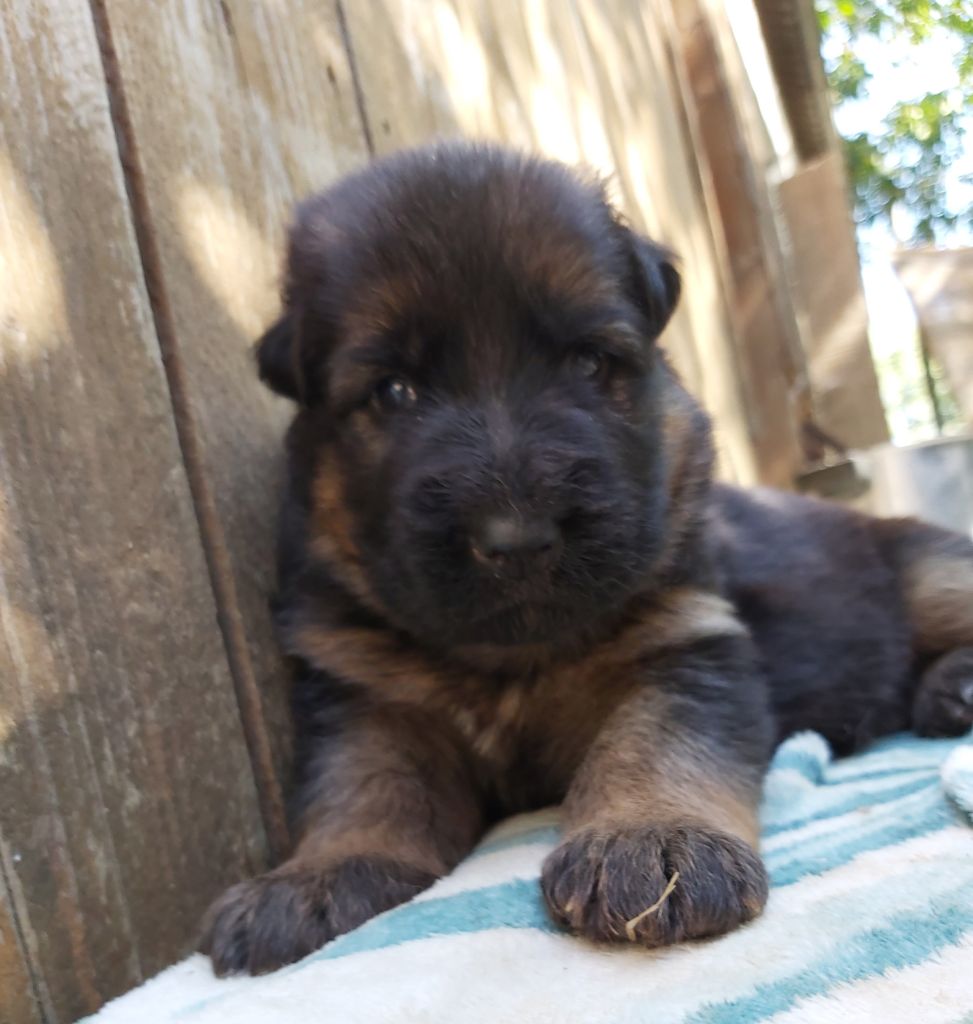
{"x":278,"y":362}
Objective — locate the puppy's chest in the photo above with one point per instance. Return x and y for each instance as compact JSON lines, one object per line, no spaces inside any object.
{"x":494,"y":725}
{"x":528,"y":737}
{"x":523,"y":758}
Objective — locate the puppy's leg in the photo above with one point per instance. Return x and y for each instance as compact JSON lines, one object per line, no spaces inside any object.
{"x":661,"y":820}
{"x":935,"y":569}
{"x":389,"y":806}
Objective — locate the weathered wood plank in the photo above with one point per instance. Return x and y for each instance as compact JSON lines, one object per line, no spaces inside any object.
{"x":581,"y":81}
{"x":20,"y":998}
{"x":237,"y":109}
{"x":126,"y":796}
{"x":827,"y":280}
{"x":654,"y":163}
{"x":768,"y":341}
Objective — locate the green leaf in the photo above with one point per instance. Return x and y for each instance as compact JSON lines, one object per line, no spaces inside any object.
{"x":905,"y":160}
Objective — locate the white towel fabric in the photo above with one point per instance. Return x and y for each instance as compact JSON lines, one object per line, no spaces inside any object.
{"x":870,"y":920}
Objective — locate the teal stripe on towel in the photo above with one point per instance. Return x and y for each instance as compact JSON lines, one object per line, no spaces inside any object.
{"x":514,"y":904}
{"x":903,"y":941}
{"x":903,"y":751}
{"x":817,"y":857}
{"x":889,"y":771}
{"x":831,"y":803}
{"x":869,"y":818}
{"x":517,"y":903}
{"x":912,"y":808}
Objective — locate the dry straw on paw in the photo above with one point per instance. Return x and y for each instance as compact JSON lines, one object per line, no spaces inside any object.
{"x":630,"y":926}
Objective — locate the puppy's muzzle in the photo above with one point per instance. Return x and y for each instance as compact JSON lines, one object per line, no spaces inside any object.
{"x":515,"y":546}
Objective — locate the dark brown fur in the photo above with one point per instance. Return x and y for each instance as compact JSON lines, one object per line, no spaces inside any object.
{"x":636,"y":663}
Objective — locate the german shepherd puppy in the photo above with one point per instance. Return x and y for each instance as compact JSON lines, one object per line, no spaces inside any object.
{"x":507,"y":579}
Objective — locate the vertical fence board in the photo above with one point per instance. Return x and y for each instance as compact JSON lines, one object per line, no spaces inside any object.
{"x":20,"y":1000}
{"x":827,"y":280}
{"x":766,"y":334}
{"x":581,"y":81}
{"x":126,"y":797}
{"x":638,"y":102}
{"x":237,"y":109}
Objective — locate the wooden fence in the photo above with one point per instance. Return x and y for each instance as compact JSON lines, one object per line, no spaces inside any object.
{"x":150,"y":152}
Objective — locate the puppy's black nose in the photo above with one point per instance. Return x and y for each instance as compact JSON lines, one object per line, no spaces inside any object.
{"x":517,"y":546}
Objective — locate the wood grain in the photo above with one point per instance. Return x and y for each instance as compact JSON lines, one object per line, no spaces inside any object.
{"x":768,"y":343}
{"x":22,"y":998}
{"x":237,"y":109}
{"x":654,"y":161}
{"x":827,"y":280}
{"x":581,"y":81}
{"x":126,"y":797}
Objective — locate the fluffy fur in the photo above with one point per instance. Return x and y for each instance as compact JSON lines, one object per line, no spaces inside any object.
{"x":507,"y":580}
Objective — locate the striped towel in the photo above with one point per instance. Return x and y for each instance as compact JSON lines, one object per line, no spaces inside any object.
{"x":870,"y":919}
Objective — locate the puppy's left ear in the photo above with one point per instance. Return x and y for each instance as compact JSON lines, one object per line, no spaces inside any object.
{"x":277,"y":359}
{"x":655,"y":281}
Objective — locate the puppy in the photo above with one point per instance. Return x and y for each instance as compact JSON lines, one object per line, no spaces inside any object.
{"x":506,"y":579}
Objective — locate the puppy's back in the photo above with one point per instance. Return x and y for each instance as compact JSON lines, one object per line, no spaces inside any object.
{"x":825,"y":606}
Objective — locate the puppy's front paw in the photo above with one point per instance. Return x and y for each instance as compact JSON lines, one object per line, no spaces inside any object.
{"x":654,"y":885}
{"x":943,"y":703}
{"x":267,"y":922}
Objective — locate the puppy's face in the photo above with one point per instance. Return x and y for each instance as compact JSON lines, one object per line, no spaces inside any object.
{"x":471,"y":335}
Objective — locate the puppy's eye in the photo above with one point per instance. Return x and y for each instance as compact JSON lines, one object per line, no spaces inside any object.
{"x":589,"y":362}
{"x":393,"y":394}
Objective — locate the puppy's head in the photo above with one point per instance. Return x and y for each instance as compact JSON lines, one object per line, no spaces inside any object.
{"x":471,"y":336}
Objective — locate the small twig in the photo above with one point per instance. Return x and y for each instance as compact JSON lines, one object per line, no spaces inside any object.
{"x":630,"y":926}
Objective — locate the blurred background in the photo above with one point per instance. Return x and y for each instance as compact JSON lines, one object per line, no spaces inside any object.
{"x":900,"y":78}
{"x":809,"y":164}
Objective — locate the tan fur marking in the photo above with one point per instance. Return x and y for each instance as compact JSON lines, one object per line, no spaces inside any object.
{"x":686,"y":615}
{"x":559,"y":713}
{"x":395,"y":672}
{"x":391,"y":774}
{"x":494,"y":738}
{"x":510,"y":705}
{"x":569,"y":701}
{"x":332,"y":535}
{"x":677,"y":618}
{"x":466,"y":722}
{"x":618,"y":786}
{"x":939,"y":591}
{"x":690,"y":459}
{"x":373,"y":658}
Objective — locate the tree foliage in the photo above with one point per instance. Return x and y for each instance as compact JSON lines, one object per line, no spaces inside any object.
{"x":905,"y":159}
